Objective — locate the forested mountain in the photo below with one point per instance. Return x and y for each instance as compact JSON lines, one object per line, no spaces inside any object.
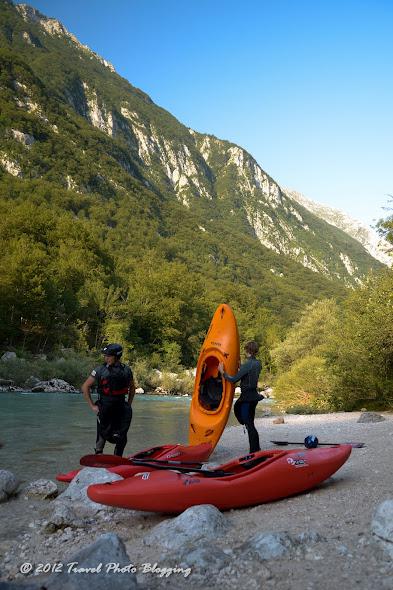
{"x":118,"y":222}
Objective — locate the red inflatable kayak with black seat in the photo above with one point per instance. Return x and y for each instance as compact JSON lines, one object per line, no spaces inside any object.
{"x":261,"y":477}
{"x":125,"y":466}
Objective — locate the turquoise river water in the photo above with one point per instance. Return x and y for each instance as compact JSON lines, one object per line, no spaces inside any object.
{"x":43,"y":434}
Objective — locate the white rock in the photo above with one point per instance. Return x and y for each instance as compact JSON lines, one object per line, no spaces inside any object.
{"x":8,"y":356}
{"x":45,"y":488}
{"x":11,"y":166}
{"x":139,"y":391}
{"x":24,"y":138}
{"x":382,"y":523}
{"x":197,"y":523}
{"x":54,"y":385}
{"x":76,"y":496}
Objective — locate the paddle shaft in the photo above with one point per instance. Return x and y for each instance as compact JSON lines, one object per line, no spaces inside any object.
{"x":206,"y":472}
{"x":283,"y":443}
{"x":113,"y":461}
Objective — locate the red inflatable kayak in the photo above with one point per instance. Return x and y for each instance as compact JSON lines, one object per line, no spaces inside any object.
{"x":264,"y":476}
{"x":125,"y":466}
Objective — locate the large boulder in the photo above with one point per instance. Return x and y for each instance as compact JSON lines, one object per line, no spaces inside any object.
{"x":102,"y":565}
{"x":31,"y":382}
{"x":8,"y":485}
{"x":366,"y":417}
{"x":53,"y":386}
{"x":196,"y":524}
{"x":75,"y":496}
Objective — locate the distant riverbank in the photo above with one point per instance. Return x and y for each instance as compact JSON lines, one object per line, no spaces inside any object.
{"x":67,"y":373}
{"x":29,"y":373}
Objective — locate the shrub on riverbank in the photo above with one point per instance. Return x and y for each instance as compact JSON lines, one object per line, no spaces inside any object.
{"x":182,"y":383}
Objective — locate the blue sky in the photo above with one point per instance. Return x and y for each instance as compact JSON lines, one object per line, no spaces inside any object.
{"x":305,"y":86}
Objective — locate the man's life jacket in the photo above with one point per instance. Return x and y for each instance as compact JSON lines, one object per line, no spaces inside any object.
{"x":113,"y":380}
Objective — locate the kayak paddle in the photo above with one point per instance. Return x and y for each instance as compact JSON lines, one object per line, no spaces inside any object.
{"x":282,"y":443}
{"x":113,"y":460}
{"x":206,"y":472}
{"x":103,"y":461}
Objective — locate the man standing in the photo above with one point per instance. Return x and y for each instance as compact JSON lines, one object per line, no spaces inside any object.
{"x":114,"y":381}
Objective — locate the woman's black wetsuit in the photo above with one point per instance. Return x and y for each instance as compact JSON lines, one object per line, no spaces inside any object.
{"x":245,"y":406}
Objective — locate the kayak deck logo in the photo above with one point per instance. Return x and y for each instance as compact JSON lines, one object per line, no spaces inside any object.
{"x":297,"y":461}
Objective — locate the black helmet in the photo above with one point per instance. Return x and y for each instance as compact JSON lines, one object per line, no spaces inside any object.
{"x":311,"y":441}
{"x":113,"y":350}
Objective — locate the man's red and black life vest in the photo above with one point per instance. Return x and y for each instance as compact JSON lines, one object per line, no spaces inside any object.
{"x":113,"y":380}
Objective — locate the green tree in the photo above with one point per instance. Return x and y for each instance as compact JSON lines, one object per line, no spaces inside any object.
{"x":310,"y":335}
{"x":308,"y":384}
{"x":362,"y":352}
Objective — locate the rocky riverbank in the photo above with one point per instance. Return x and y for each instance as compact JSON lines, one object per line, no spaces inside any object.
{"x":65,"y":375}
{"x":339,"y":535}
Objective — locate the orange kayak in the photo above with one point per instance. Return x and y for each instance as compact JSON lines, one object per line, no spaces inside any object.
{"x":261,"y":477}
{"x":212,"y":397}
{"x":125,"y":466}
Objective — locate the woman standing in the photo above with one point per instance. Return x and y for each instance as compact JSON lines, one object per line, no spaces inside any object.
{"x":245,"y":406}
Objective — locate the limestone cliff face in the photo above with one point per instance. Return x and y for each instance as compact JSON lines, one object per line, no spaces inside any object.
{"x":372,"y":242}
{"x":53,"y":27}
{"x":201,"y":172}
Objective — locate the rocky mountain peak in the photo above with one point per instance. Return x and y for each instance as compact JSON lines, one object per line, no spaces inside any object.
{"x":367,"y":236}
{"x":55,"y":28}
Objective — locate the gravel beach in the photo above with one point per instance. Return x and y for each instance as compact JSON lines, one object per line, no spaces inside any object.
{"x":334,"y":520}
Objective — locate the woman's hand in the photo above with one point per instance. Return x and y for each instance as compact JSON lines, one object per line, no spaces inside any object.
{"x":221,"y":368}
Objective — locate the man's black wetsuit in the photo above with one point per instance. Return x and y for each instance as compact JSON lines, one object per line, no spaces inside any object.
{"x":115,"y":414}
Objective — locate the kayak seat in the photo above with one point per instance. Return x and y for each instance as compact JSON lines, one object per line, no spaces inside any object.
{"x":210,"y":393}
{"x":254,"y":462}
{"x":147,"y":453}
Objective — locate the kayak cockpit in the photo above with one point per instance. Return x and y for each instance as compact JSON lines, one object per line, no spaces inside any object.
{"x":211,"y":385}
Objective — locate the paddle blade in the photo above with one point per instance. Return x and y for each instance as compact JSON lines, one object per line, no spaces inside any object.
{"x":103,"y":461}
